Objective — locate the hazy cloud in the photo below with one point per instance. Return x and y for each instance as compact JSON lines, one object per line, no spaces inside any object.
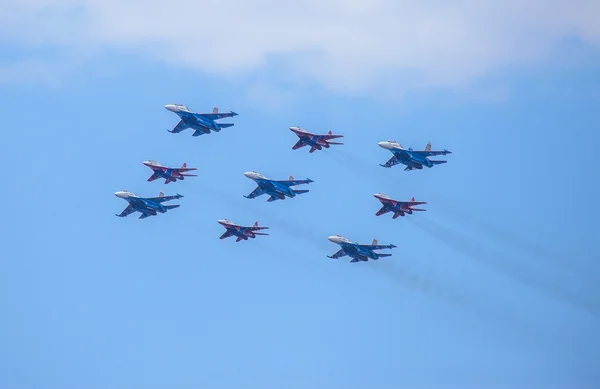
{"x":344,"y":44}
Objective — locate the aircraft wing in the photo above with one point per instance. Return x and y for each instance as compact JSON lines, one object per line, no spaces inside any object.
{"x":295,"y":182}
{"x":226,"y":234}
{"x":340,"y":253}
{"x":215,"y":116}
{"x":256,"y":192}
{"x":391,"y":162}
{"x":127,"y":211}
{"x":376,"y":246}
{"x":179,"y":127}
{"x":153,"y":177}
{"x":164,"y":198}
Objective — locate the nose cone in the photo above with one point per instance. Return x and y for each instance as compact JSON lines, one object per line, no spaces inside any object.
{"x":385,"y":145}
{"x":334,"y":239}
{"x":251,"y":175}
{"x":121,"y":194}
{"x":148,"y":163}
{"x":222,"y":221}
{"x":171,"y":107}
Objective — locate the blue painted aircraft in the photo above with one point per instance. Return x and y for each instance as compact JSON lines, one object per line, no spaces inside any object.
{"x":413,"y":159}
{"x":399,"y":208}
{"x":147,"y":206}
{"x":242,"y":233}
{"x":170,"y":174}
{"x":202,"y":123}
{"x":316,"y":142}
{"x":278,"y":190}
{"x":358,"y":252}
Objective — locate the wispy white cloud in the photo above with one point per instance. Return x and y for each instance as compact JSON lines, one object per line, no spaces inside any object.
{"x":342,"y":44}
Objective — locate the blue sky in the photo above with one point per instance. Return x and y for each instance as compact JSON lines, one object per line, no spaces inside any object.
{"x":494,"y":286}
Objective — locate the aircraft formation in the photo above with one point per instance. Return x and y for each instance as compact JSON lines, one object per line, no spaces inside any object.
{"x":205,"y":123}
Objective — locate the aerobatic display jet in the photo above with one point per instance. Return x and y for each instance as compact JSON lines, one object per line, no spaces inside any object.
{"x":242,"y":233}
{"x":147,"y":206}
{"x":202,"y":123}
{"x":278,"y":190}
{"x":413,"y":159}
{"x":358,"y":252}
{"x":170,"y":174}
{"x":399,"y":208}
{"x":316,"y":142}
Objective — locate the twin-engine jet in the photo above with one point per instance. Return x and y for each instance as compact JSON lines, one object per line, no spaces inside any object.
{"x":413,"y":159}
{"x":358,"y":252}
{"x":242,"y":233}
{"x":399,"y":208}
{"x":202,"y":123}
{"x":315,"y":141}
{"x":278,"y":190}
{"x":170,"y":174}
{"x":147,"y":206}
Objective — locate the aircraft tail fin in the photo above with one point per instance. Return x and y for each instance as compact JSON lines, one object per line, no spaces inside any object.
{"x":428,"y":147}
{"x":184,"y":165}
{"x":330,"y":133}
{"x":413,"y":199}
{"x":215,"y":109}
{"x":161,"y":194}
{"x":255,"y":224}
{"x":291,"y":178}
{"x":374,"y":242}
{"x":300,"y":191}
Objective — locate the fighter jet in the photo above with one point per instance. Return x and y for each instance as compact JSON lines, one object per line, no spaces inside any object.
{"x":202,"y":123}
{"x":413,"y":159}
{"x":147,"y":206}
{"x":240,"y":231}
{"x":171,"y":174}
{"x":358,"y":252}
{"x":278,"y":190}
{"x":316,"y":142}
{"x":398,"y":207}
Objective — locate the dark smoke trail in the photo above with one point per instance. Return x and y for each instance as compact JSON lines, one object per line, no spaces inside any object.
{"x":473,"y":250}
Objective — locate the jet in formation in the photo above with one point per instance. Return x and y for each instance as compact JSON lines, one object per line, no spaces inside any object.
{"x":399,"y":208}
{"x":147,"y":206}
{"x":413,"y":159}
{"x":242,"y":233}
{"x":358,"y":252}
{"x":278,"y":190}
{"x":202,"y":123}
{"x":170,"y":174}
{"x":316,"y":142}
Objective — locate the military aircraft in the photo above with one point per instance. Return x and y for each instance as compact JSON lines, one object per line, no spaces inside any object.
{"x":147,"y":206}
{"x":413,"y":159}
{"x":358,"y":252}
{"x":316,"y":142}
{"x":398,"y":207}
{"x":240,"y":231}
{"x":278,"y":190}
{"x":171,"y":174}
{"x":202,"y":123}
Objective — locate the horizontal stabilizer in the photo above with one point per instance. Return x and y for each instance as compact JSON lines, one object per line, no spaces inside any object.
{"x":335,"y":143}
{"x":189,"y":175}
{"x":438,"y":162}
{"x":225,"y":125}
{"x":198,"y":133}
{"x":384,"y":255}
{"x":300,"y":191}
{"x":260,"y":233}
{"x":417,"y":209}
{"x":172,"y":206}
